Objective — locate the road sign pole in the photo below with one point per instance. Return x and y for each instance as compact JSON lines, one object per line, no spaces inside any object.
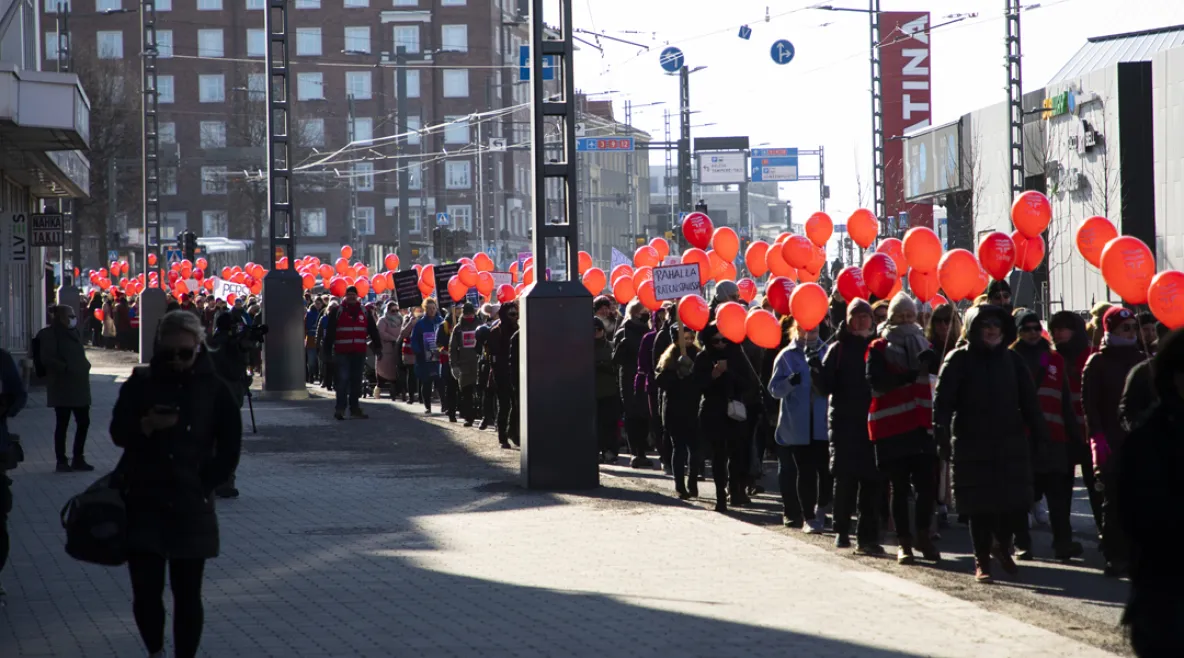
{"x":684,"y":139}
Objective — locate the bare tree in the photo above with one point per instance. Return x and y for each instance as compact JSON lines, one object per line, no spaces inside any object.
{"x":967,"y":202}
{"x":246,"y":132}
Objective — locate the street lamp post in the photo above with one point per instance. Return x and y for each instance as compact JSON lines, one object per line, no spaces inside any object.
{"x":152,"y":300}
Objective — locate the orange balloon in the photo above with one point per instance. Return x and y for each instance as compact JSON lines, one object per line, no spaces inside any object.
{"x":694,"y":312}
{"x":326,"y":272}
{"x":895,"y":250}
{"x":778,"y":292}
{"x":1029,"y":252}
{"x":725,"y":242}
{"x":427,"y":275}
{"x":726,"y":273}
{"x":806,"y":276}
{"x":623,"y":290}
{"x":747,"y":289}
{"x":528,"y":276}
{"x":308,"y":281}
{"x":424,"y":288}
{"x":922,"y":249}
{"x":797,"y":251}
{"x":662,"y":246}
{"x":391,"y":262}
{"x":585,"y":261}
{"x":754,"y":258}
{"x":863,"y":227}
{"x":485,"y":283}
{"x":923,"y":284}
{"x":467,"y":275}
{"x":996,"y":253}
{"x":363,"y":286}
{"x":646,"y":256}
{"x":378,"y":283}
{"x":642,"y":274}
{"x":958,"y":274}
{"x":730,"y":318}
{"x":341,"y":266}
{"x":696,"y":255}
{"x":715,"y":262}
{"x":880,"y":274}
{"x":483,"y":262}
{"x":819,"y":228}
{"x":1092,"y":236}
{"x":594,"y":280}
{"x":809,"y":305}
{"x":619,"y":271}
{"x":1031,"y":212}
{"x":647,"y":296}
{"x":1128,"y":267}
{"x":763,"y":329}
{"x":1165,"y":296}
{"x":456,"y":288}
{"x":817,"y":262}
{"x":777,"y":265}
{"x":347,"y":251}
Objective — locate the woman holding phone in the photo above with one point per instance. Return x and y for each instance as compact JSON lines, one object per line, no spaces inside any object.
{"x":181,"y":432}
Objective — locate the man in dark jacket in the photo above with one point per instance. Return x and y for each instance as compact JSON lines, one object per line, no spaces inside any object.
{"x":497,"y":350}
{"x":12,"y":399}
{"x":1102,"y":386}
{"x":608,"y":394}
{"x":349,"y":350}
{"x":68,"y":390}
{"x":626,"y":346}
{"x":463,"y":360}
{"x":311,"y":318}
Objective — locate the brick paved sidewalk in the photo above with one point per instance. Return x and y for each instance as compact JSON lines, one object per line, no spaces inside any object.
{"x":400,"y":536}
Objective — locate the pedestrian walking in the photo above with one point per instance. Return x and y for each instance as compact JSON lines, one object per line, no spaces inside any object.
{"x":13,"y":397}
{"x":626,"y":348}
{"x":328,"y":365}
{"x":608,"y":394}
{"x":729,"y":384}
{"x":486,"y":387}
{"x":411,"y":383}
{"x":463,"y":360}
{"x":67,"y":390}
{"x":311,"y":317}
{"x":427,"y":353}
{"x":448,"y":386}
{"x":943,"y":331}
{"x":498,"y":348}
{"x":1071,"y":340}
{"x":679,"y":408}
{"x":347,"y":332}
{"x":181,"y":434}
{"x":390,"y":330}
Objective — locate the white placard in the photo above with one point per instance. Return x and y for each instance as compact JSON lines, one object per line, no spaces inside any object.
{"x":619,"y":259}
{"x":721,"y":168}
{"x":223,"y":289}
{"x":501,"y":279}
{"x":676,"y":281}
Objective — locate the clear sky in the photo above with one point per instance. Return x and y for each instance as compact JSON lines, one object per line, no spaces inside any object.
{"x":822,"y":98}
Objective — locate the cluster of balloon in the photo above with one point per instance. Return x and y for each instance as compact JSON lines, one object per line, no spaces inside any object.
{"x":1128,"y":267}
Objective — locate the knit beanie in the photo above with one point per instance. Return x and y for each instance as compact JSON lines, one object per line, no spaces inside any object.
{"x":901,"y":303}
{"x":1115,"y":316}
{"x":857,"y":306}
{"x":725,"y":290}
{"x":1025,"y":318}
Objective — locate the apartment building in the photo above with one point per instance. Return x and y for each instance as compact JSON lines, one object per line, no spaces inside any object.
{"x":462,"y":64}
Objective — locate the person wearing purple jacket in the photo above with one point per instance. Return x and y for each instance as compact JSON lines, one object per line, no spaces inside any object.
{"x":643,"y":381}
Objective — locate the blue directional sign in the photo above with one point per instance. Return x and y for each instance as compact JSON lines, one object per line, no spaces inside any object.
{"x":604,"y":144}
{"x":672,"y":60}
{"x":745,"y":32}
{"x":782,"y":51}
{"x":774,"y":165}
{"x":524,"y":65}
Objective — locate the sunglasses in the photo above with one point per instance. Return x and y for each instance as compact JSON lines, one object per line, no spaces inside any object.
{"x":183,"y":354}
{"x":941,"y":320}
{"x":992,"y":324}
{"x":1029,"y":328}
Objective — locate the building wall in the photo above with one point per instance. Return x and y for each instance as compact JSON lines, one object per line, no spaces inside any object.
{"x":1168,"y":98}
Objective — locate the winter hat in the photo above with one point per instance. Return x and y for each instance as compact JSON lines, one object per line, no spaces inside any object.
{"x":725,"y":290}
{"x":856,"y":306}
{"x":601,"y":302}
{"x":901,"y":303}
{"x":1116,"y":316}
{"x":597,"y":324}
{"x":1026,"y":317}
{"x":352,"y":290}
{"x":998,"y":287}
{"x":468,"y":309}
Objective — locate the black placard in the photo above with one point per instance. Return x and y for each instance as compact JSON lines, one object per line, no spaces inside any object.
{"x":444,"y":274}
{"x":407,"y":292}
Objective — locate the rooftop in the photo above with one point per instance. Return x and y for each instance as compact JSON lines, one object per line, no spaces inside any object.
{"x":1101,"y":52}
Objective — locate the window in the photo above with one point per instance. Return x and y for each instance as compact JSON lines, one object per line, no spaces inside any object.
{"x":406,"y":36}
{"x":357,"y":39}
{"x":166,"y":133}
{"x":164,"y":5}
{"x":107,"y":5}
{"x":456,"y":83}
{"x":51,"y":6}
{"x":213,"y":181}
{"x":209,"y":5}
{"x":456,"y":175}
{"x":454,"y":38}
{"x":312,"y":222}
{"x":357,"y":84}
{"x":452,"y":3}
{"x":256,"y":43}
{"x":213,"y":134}
{"x":164,"y":43}
{"x":356,"y":3}
{"x":312,"y":132}
{"x":256,"y":4}
{"x":415,"y":175}
{"x":211,"y":88}
{"x":308,"y":41}
{"x":172,"y":223}
{"x":412,"y":83}
{"x":209,"y":43}
{"x":363,"y":129}
{"x":406,"y":3}
{"x":310,"y":86}
{"x":110,"y":44}
{"x":257,"y":86}
{"x":52,"y":46}
{"x":462,"y":217}
{"x":213,"y":223}
{"x":168,"y":181}
{"x":164,"y":89}
{"x":413,"y":124}
{"x":365,"y":217}
{"x":456,"y":133}
{"x":364,"y":176}
{"x":308,"y":4}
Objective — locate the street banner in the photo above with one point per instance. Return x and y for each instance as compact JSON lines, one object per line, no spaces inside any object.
{"x":407,"y":292}
{"x":906,"y":87}
{"x":676,"y":281}
{"x":619,"y":259}
{"x":223,"y":289}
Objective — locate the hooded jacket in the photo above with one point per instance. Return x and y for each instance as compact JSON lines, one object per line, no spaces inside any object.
{"x":987,"y":416}
{"x":680,"y":398}
{"x":498,"y":344}
{"x":1102,"y":384}
{"x":626,"y":348}
{"x":842,"y":377}
{"x":738,"y":382}
{"x":802,"y":416}
{"x":462,"y":352}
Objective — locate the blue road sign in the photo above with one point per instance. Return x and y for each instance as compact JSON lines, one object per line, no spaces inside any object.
{"x":774,"y":165}
{"x":171,"y":256}
{"x":114,"y":255}
{"x":442,"y":219}
{"x":672,"y":60}
{"x":604,"y":144}
{"x":782,"y":51}
{"x":745,"y":32}
{"x":524,"y":65}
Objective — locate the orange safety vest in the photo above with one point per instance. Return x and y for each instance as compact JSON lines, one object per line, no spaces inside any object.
{"x":1048,"y":391}
{"x":351,"y":331}
{"x":902,"y":409}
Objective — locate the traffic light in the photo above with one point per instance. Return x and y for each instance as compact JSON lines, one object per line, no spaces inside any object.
{"x":437,"y":242}
{"x":188,"y":241}
{"x":701,"y":206}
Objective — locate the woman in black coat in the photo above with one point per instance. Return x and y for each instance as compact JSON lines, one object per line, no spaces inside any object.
{"x":986,"y":418}
{"x":858,"y":483}
{"x":626,"y":345}
{"x":723,"y":372}
{"x":181,"y":432}
{"x":679,"y":404}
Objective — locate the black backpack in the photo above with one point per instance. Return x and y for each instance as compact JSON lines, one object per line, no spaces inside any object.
{"x":38,"y":366}
{"x":96,"y":523}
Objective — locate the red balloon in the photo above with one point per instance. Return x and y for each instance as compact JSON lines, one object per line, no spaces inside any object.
{"x":1165,"y":296}
{"x":623,"y":290}
{"x":924,"y":284}
{"x":694,"y":312}
{"x":754,"y":258}
{"x":347,"y":251}
{"x":620,"y":271}
{"x":747,"y":289}
{"x":308,"y":281}
{"x":456,"y":288}
{"x":725,"y":243}
{"x":341,"y":266}
{"x":594,"y":280}
{"x":427,"y":276}
{"x":763,"y":329}
{"x":641,"y":275}
{"x":647,"y":296}
{"x":1128,"y":267}
{"x":922,"y":249}
{"x":695,"y":255}
{"x":958,"y":274}
{"x":1031,"y":212}
{"x":730,"y":317}
{"x":361,"y":283}
{"x":378,"y":283}
{"x":797,"y":251}
{"x":850,"y":284}
{"x":895,"y":250}
{"x":646,"y":256}
{"x":467,"y":275}
{"x":391,"y":261}
{"x":662,"y":246}
{"x":863,"y":227}
{"x":485,"y":283}
{"x":880,"y":274}
{"x":776,"y":264}
{"x":337,"y":287}
{"x":152,"y":260}
{"x":809,"y":304}
{"x":1092,"y":236}
{"x":99,"y":314}
{"x":819,"y":228}
{"x":483,"y":262}
{"x":697,"y":229}
{"x":1029,"y":252}
{"x":506,"y":293}
{"x":996,"y":253}
{"x":584,"y":261}
{"x":778,"y":292}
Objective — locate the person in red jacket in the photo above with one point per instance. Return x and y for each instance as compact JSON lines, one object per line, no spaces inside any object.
{"x":1071,"y":340}
{"x":347,"y":332}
